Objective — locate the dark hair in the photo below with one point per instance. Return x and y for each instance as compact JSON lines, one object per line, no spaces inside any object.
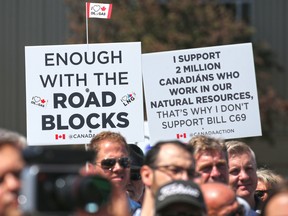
{"x":152,"y":154}
{"x":136,"y":156}
{"x":136,"y":148}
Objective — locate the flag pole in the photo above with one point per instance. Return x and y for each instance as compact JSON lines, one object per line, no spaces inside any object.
{"x":86,"y":165}
{"x":87,"y":16}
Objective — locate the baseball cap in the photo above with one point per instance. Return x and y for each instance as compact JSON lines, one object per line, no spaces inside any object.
{"x":179,"y":191}
{"x":136,"y":156}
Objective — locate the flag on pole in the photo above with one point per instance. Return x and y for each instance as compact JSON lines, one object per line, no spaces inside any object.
{"x":98,"y":10}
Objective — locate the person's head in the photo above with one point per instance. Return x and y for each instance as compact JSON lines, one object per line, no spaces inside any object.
{"x":267,"y":180}
{"x":135,"y":187}
{"x":167,"y":161}
{"x":211,"y":159}
{"x":242,"y":169}
{"x":180,"y":197}
{"x":221,"y":200}
{"x":277,"y":202}
{"x":11,"y":164}
{"x":111,"y":157}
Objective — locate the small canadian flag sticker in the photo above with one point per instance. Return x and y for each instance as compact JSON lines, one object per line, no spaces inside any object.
{"x":181,"y":135}
{"x":60,"y":136}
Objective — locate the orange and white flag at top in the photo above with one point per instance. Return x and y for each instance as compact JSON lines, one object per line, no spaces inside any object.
{"x":98,"y":10}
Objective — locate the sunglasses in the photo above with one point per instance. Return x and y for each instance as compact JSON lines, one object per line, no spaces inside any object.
{"x":261,"y":193}
{"x":135,"y":176}
{"x":109,"y":163}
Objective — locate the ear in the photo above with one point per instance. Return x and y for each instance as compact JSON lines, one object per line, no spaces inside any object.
{"x":146,"y":175}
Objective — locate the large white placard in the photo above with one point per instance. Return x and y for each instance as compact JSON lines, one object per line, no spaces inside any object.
{"x":206,"y":91}
{"x":75,"y":91}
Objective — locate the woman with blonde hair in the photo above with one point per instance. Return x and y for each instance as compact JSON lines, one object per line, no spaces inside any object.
{"x":267,"y":180}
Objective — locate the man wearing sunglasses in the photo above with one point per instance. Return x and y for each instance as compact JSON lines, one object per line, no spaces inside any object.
{"x":164,"y":162}
{"x":267,"y":180}
{"x":112,"y":160}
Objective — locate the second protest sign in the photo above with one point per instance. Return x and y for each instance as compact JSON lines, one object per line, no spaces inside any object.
{"x":206,"y":91}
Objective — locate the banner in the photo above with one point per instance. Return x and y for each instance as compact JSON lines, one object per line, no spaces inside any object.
{"x":98,"y":10}
{"x":75,"y":91}
{"x":206,"y":91}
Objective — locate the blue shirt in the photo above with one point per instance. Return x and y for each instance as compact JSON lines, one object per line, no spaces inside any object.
{"x":133,"y":206}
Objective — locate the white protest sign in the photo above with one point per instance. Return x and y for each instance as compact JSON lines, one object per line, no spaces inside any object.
{"x":206,"y":91}
{"x":76,"y":91}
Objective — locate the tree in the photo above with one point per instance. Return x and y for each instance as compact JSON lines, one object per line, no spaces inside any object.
{"x":172,"y":24}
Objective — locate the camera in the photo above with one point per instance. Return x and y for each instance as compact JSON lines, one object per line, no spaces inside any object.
{"x":52,"y":185}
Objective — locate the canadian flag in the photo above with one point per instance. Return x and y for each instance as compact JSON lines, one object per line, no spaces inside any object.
{"x":98,"y":10}
{"x":60,"y":136}
{"x":181,"y":135}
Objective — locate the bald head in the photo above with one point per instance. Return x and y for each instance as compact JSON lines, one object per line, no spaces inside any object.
{"x":278,"y":204}
{"x":220,"y":199}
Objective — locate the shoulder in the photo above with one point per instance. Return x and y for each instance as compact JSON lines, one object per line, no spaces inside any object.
{"x":137,"y":212}
{"x":133,"y":205}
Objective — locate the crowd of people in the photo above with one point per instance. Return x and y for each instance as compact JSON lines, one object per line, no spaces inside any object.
{"x":206,"y":176}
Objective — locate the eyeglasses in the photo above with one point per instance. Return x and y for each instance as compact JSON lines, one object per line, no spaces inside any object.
{"x":135,"y":176}
{"x":261,"y":193}
{"x":173,"y":170}
{"x":109,"y":163}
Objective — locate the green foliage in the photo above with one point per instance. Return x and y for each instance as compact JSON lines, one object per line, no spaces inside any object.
{"x":174,"y":24}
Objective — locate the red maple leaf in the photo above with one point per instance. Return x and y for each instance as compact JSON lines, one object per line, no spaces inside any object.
{"x":43,"y":101}
{"x":103,"y":8}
